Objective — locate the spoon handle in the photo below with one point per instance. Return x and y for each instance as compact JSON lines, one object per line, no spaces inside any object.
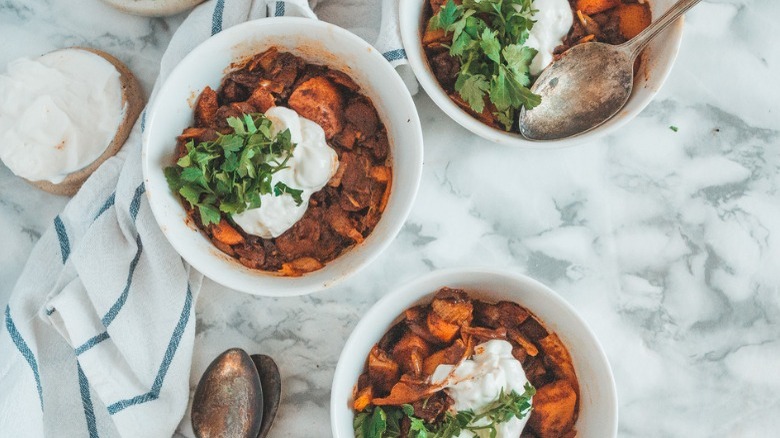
{"x":636,"y":44}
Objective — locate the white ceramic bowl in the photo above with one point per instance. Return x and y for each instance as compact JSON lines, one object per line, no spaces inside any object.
{"x":317,"y":42}
{"x":598,"y":398}
{"x":657,"y":62}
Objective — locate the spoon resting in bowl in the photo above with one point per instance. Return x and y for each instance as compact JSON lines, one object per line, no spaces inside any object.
{"x":589,"y":83}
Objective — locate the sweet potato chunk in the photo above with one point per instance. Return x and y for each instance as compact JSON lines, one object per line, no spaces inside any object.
{"x":435,"y":37}
{"x":261,"y":99}
{"x":320,"y":101}
{"x":449,"y":356}
{"x":443,"y":330}
{"x":206,"y":108}
{"x":225,"y":233}
{"x":410,"y":352}
{"x":300,"y":266}
{"x":381,"y":173}
{"x":417,"y":321}
{"x":633,"y":18}
{"x":554,"y":410}
{"x":363,"y":398}
{"x":382,"y":370}
{"x":559,"y":358}
{"x":453,"y":305}
{"x":591,"y":7}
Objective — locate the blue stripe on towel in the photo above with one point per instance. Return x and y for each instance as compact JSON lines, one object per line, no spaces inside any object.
{"x":173,"y":344}
{"x":106,"y":205}
{"x":280,"y":9}
{"x":114,"y":310}
{"x":135,"y":204}
{"x":62,"y":236}
{"x":216,"y":19}
{"x":395,"y":55}
{"x":92,"y":342}
{"x":24,"y":349}
{"x":86,"y":401}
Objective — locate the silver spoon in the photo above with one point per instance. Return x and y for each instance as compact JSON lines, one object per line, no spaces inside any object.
{"x":589,"y":83}
{"x":237,"y":396}
{"x":271,"y":382}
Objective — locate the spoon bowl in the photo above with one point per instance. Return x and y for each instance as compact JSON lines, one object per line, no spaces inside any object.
{"x":271,"y":381}
{"x":588,"y":85}
{"x":229,"y":399}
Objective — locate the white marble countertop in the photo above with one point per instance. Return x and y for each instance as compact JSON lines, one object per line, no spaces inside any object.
{"x":668,"y":243}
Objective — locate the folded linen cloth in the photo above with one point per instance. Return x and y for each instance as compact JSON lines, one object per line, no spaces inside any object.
{"x":99,"y":330}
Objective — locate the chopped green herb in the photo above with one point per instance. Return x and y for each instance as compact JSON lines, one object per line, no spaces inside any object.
{"x":487,"y":39}
{"x":229,"y":174}
{"x":674,"y":128}
{"x":384,"y":422}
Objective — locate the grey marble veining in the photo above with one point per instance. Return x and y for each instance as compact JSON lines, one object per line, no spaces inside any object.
{"x":668,"y":243}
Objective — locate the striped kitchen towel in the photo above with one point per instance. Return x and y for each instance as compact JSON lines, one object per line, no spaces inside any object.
{"x":98,"y":335}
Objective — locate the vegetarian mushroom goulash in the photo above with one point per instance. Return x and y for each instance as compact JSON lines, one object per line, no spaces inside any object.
{"x":460,"y":367}
{"x":486,"y":54}
{"x":287,"y":164}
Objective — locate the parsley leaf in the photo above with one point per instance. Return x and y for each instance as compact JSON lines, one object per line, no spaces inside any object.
{"x":281,"y":188}
{"x":490,"y":45}
{"x":448,"y":14}
{"x":228,"y":175}
{"x":487,"y":38}
{"x":472,"y":90}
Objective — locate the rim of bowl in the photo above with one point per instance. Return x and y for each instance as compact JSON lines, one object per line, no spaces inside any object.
{"x":294,"y":285}
{"x":413,"y":291}
{"x":412,"y":41}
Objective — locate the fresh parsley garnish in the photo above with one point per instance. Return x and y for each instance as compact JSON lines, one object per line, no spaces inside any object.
{"x":487,"y":39}
{"x":384,"y":422}
{"x":674,"y":128}
{"x":229,"y":174}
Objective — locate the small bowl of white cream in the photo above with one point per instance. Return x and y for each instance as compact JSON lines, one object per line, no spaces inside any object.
{"x":553,"y":20}
{"x":492,"y":368}
{"x":63,"y":114}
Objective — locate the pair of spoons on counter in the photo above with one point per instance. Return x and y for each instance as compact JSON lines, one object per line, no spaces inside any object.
{"x":589,"y":84}
{"x":237,"y":396}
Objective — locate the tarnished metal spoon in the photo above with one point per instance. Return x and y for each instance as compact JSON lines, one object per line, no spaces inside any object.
{"x":228,"y":401}
{"x":589,"y":83}
{"x":271,"y":382}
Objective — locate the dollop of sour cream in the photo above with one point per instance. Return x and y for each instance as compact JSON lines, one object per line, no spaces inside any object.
{"x":58,"y":113}
{"x":478,"y":381}
{"x":311,"y":166}
{"x":553,"y":21}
